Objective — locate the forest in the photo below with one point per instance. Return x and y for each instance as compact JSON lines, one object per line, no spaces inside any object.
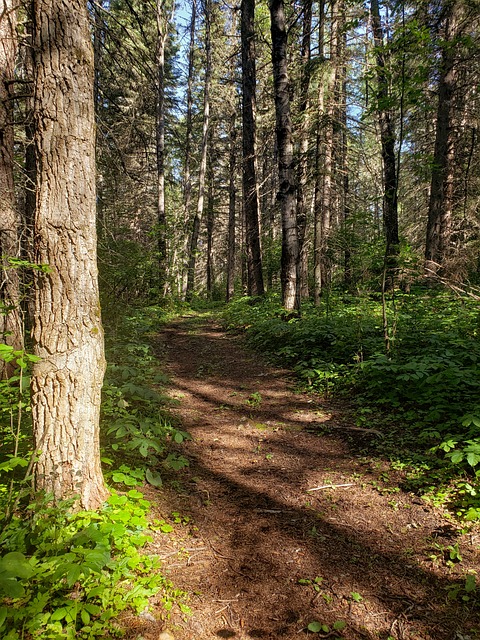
{"x":261,"y":215}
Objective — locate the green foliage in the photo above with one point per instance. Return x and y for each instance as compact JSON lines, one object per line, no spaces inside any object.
{"x":135,"y":420}
{"x":423,"y":394}
{"x":69,"y":575}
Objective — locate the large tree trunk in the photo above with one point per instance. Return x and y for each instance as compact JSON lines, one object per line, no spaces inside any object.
{"x":250,"y":188}
{"x":287,"y":195}
{"x":67,"y":332}
{"x":10,"y":318}
{"x":440,"y":206}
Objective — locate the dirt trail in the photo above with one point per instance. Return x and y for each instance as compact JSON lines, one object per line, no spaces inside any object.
{"x":288,"y":526}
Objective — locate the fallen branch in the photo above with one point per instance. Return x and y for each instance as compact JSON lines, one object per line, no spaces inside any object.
{"x":331,"y":486}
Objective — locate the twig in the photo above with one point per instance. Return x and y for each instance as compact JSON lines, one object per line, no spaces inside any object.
{"x":375,"y":431}
{"x":332,"y":486}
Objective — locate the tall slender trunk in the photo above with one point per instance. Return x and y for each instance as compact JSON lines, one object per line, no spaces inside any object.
{"x":250,"y":187}
{"x":387,"y":138}
{"x":290,"y":274}
{"x":187,"y":177}
{"x":303,"y":134}
{"x":231,"y":245}
{"x":210,"y":221}
{"x":440,"y":205}
{"x":67,"y":332}
{"x":204,"y":150}
{"x":162,"y":35}
{"x":11,"y":327}
{"x":317,"y":207}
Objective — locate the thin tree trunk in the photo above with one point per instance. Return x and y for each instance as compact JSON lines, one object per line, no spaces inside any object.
{"x":250,"y":187}
{"x":317,"y":206}
{"x":162,"y":35}
{"x":290,"y":274}
{"x":231,"y":245}
{"x":187,"y":177}
{"x":302,"y":165}
{"x":67,"y":331}
{"x":11,"y":331}
{"x":203,"y":162}
{"x":387,"y":137}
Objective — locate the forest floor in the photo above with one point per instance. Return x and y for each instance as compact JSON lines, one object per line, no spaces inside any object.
{"x":281,"y":522}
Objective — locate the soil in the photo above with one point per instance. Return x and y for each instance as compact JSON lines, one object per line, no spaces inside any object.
{"x":281,"y":522}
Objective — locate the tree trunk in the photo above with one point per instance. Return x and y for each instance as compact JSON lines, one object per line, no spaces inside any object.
{"x":231,"y":245}
{"x":302,"y":165}
{"x":67,"y":331}
{"x":290,"y":274}
{"x":187,"y":177}
{"x":162,"y":34}
{"x":387,"y":138}
{"x":442,"y":179}
{"x":11,"y":332}
{"x":203,"y":162}
{"x":250,"y":188}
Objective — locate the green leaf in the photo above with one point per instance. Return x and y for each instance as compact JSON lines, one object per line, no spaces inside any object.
{"x":85,"y":616}
{"x":15,"y":564}
{"x":470,"y":583}
{"x":154,"y":479}
{"x":73,"y":574}
{"x":3,"y":615}
{"x":339,"y":625}
{"x":473,"y":459}
{"x":11,"y":588}
{"x":356,"y":597}
{"x":178,"y":437}
{"x":315,"y":627}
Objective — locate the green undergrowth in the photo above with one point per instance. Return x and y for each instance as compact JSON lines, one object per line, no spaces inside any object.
{"x":69,"y":574}
{"x":415,"y":378}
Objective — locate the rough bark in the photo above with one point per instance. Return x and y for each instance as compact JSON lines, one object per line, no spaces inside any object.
{"x":290,"y":273}
{"x":249,"y":173}
{"x":10,"y":318}
{"x":67,"y":331}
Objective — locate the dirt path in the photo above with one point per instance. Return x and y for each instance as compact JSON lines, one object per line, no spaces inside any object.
{"x":287,"y":526}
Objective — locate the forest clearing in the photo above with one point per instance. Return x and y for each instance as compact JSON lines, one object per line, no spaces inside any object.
{"x":239,"y":319}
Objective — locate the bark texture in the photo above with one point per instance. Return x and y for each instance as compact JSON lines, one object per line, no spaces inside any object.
{"x":290,"y":274}
{"x":10,"y":318}
{"x":67,"y":329}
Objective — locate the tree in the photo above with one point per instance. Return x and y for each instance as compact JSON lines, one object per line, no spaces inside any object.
{"x":290,"y":275}
{"x":440,"y":207}
{"x":387,"y":139}
{"x":10,"y":318}
{"x":250,"y":188}
{"x":195,"y":232}
{"x":67,"y":329}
